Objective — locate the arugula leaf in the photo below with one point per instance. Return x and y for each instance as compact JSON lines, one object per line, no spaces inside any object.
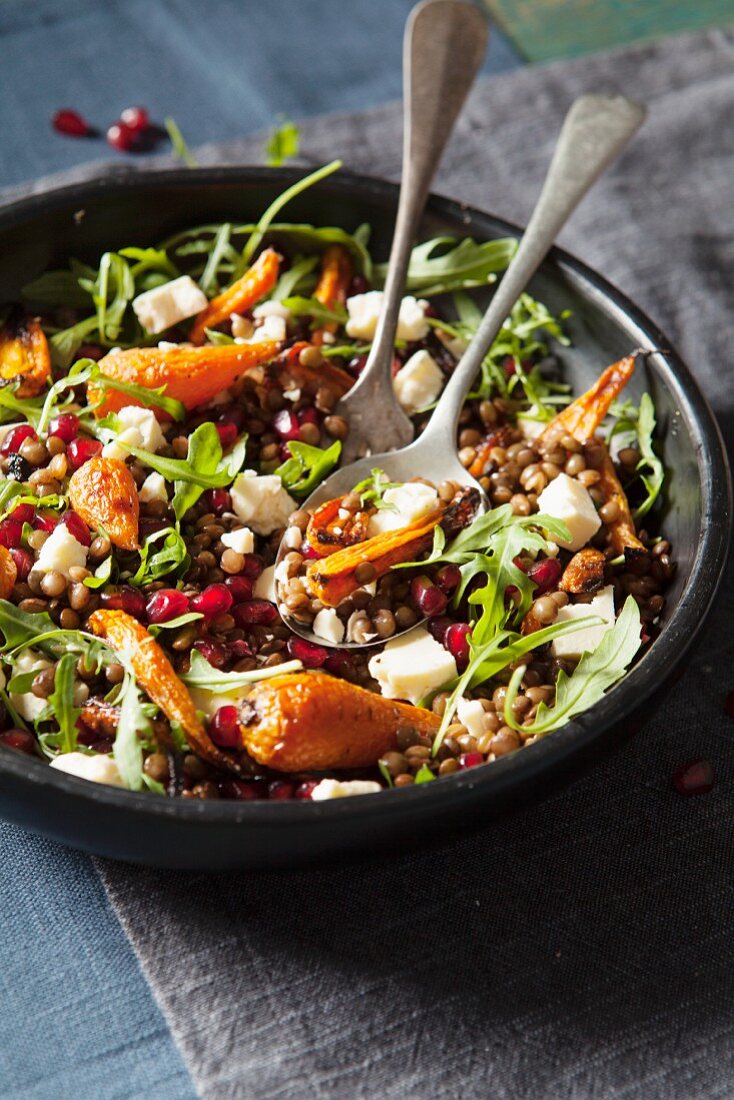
{"x":152,"y":267}
{"x":296,"y":275}
{"x":80,"y":373}
{"x":283,"y":142}
{"x":102,"y":574}
{"x":180,"y":148}
{"x":12,"y":406}
{"x":205,"y":676}
{"x":594,"y":674}
{"x":183,"y":470}
{"x":385,"y":773}
{"x":57,"y":288}
{"x":424,"y":774}
{"x":64,"y":344}
{"x":443,"y":264}
{"x":266,"y":219}
{"x":151,"y":398}
{"x":174,"y":624}
{"x":208,"y":280}
{"x":650,"y":468}
{"x":313,"y":308}
{"x":173,"y":556}
{"x":307,"y":467}
{"x":373,"y":489}
{"x":61,"y":701}
{"x":19,"y":628}
{"x":133,"y":725}
{"x":111,"y":291}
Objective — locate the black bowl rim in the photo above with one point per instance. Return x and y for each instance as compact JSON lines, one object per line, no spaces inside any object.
{"x":573,"y":739}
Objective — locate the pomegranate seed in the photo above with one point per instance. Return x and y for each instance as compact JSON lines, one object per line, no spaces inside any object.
{"x":240,"y":648}
{"x":438,"y":627}
{"x":545,"y":575}
{"x":81,"y":450}
{"x":308,"y":653}
{"x":308,"y":415}
{"x":224,"y":728}
{"x":77,"y":527}
{"x":358,"y":285}
{"x":11,"y":533}
{"x":253,"y":567}
{"x":71,"y":123}
{"x":471,"y":759}
{"x":429,"y":599}
{"x":357,"y":364}
{"x":508,"y":365}
{"x":448,"y":578}
{"x":280,"y":790}
{"x":337,"y":661}
{"x":214,"y":652}
{"x":218,"y":501}
{"x":166,"y":604}
{"x":214,"y":600}
{"x":84,"y":735}
{"x":696,"y":777}
{"x":89,"y":351}
{"x":14,"y":438}
{"x":305,"y":789}
{"x":255,"y":613}
{"x":286,"y":425}
{"x":23,"y":513}
{"x":20,"y":740}
{"x":23,"y":561}
{"x":135,"y":118}
{"x":240,"y":587}
{"x":307,"y":551}
{"x":234,"y":413}
{"x":241,"y":791}
{"x":227,"y":432}
{"x":66,"y":427}
{"x":729,"y":704}
{"x":120,"y":136}
{"x":127,"y":599}
{"x":44,"y":523}
{"x":457,"y":642}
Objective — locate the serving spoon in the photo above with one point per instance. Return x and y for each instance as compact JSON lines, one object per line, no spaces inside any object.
{"x":595,"y":130}
{"x":445,"y":41}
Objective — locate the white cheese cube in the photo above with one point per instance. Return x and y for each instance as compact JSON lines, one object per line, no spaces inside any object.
{"x":408,"y":502}
{"x":531,"y":429}
{"x":166,"y":305}
{"x":167,"y":345}
{"x":242,"y":540}
{"x":97,"y":769}
{"x":153,"y":488}
{"x":587,"y":639}
{"x":132,"y":416}
{"x":242,"y":328}
{"x":328,"y":625}
{"x":472,"y":714}
{"x":364,"y":313}
{"x":272,"y":309}
{"x":418,"y":383}
{"x":343,"y":788}
{"x":412,"y":665}
{"x":117,"y":447}
{"x":60,"y":552}
{"x":28,"y":705}
{"x":261,"y":502}
{"x":264,"y":586}
{"x":272,"y":328}
{"x":567,"y":499}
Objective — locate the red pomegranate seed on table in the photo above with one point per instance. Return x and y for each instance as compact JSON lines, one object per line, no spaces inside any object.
{"x":471,"y":759}
{"x":215,"y":599}
{"x":448,"y":578}
{"x":286,"y":425}
{"x":70,"y":123}
{"x":166,"y":604}
{"x":218,"y":501}
{"x":11,"y":533}
{"x":120,"y":136}
{"x":13,"y":439}
{"x":66,"y":427}
{"x":81,"y":450}
{"x":255,"y":613}
{"x":214,"y":652}
{"x":545,"y":575}
{"x":20,"y":740}
{"x":696,"y":777}
{"x":240,"y":587}
{"x":136,"y":119}
{"x":308,"y":653}
{"x":429,"y":599}
{"x":224,"y":728}
{"x":77,"y":527}
{"x":23,"y":561}
{"x":457,"y":642}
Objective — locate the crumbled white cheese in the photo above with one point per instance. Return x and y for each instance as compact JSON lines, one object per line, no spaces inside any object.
{"x":472,"y":714}
{"x":28,"y":705}
{"x":166,"y":305}
{"x":343,"y":788}
{"x":61,"y":552}
{"x":328,"y":625}
{"x":167,"y":345}
{"x":567,"y":499}
{"x":133,"y":416}
{"x":408,"y":503}
{"x":364,"y":313}
{"x":531,"y":429}
{"x":412,"y":665}
{"x":587,"y":639}
{"x":293,"y":538}
{"x":117,"y":447}
{"x":272,"y":328}
{"x":261,"y":502}
{"x":282,"y":571}
{"x":272,"y":309}
{"x":418,"y":383}
{"x":97,"y":769}
{"x":242,"y":540}
{"x":153,"y":488}
{"x":264,"y":586}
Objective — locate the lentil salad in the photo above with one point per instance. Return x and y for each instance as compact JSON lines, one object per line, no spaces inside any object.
{"x":152,"y":657}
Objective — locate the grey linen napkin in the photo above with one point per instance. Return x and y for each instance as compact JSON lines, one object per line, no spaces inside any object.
{"x":583,"y":948}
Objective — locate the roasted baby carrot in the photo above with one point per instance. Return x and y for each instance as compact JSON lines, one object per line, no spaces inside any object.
{"x":8,"y":573}
{"x":309,"y":721}
{"x":192,"y":375}
{"x":622,"y":534}
{"x":243,"y":294}
{"x":584,"y":573}
{"x":104,"y":493}
{"x":24,"y":355}
{"x":333,"y":285}
{"x":328,"y":531}
{"x":584,"y":415}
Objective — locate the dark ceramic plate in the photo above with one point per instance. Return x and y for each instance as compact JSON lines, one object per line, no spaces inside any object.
{"x":43,"y":231}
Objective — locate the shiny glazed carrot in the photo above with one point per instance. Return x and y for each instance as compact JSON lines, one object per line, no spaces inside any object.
{"x":622,"y":533}
{"x":24,"y":355}
{"x":584,"y":415}
{"x":328,"y":532}
{"x":309,"y":721}
{"x":156,"y":676}
{"x":333,"y":285}
{"x":8,"y":573}
{"x":192,"y":375}
{"x":243,"y":294}
{"x":104,"y":493}
{"x":584,"y":573}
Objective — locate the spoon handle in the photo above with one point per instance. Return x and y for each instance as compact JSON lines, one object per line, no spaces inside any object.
{"x":596,"y":129}
{"x":445,"y":41}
